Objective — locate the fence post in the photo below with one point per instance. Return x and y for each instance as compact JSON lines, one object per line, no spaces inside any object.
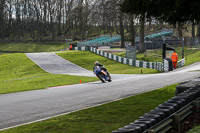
{"x":182,"y":48}
{"x":196,"y":106}
{"x":176,"y":122}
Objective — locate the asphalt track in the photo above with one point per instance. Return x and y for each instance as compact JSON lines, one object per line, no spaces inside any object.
{"x":52,"y":63}
{"x":26,"y":107}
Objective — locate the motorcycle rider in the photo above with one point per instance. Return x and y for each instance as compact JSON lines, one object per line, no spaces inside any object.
{"x":96,"y":63}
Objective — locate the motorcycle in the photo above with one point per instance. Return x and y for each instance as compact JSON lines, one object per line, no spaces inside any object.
{"x":101,"y":74}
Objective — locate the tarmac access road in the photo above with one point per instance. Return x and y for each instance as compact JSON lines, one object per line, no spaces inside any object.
{"x":52,"y":63}
{"x":30,"y":106}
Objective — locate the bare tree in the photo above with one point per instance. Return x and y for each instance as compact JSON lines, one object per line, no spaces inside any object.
{"x":59,"y":13}
{"x":132,"y":31}
{"x":141,"y":46}
{"x":193,"y":29}
{"x":38,"y":19}
{"x":2,"y":6}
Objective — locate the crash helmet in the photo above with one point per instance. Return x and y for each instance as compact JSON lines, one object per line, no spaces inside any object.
{"x":96,"y":63}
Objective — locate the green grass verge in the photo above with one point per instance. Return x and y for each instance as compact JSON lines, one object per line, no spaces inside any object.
{"x":32,"y":46}
{"x":192,"y":58}
{"x":19,"y":73}
{"x":194,"y":130}
{"x":86,"y":60}
{"x":101,"y":119}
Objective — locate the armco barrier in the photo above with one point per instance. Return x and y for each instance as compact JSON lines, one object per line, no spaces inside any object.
{"x":167,"y":115}
{"x":175,"y":119}
{"x":143,"y":64}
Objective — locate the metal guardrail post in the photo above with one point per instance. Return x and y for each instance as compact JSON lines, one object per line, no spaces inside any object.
{"x":181,"y":115}
{"x":196,"y":105}
{"x":176,"y":122}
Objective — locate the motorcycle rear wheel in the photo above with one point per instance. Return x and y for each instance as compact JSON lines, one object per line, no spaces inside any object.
{"x":100,"y":77}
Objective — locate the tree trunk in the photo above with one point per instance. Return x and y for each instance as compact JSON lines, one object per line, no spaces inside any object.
{"x":116,"y":27}
{"x":45,"y":19}
{"x":59,"y":17}
{"x":10,"y":19}
{"x":141,"y":44}
{"x":193,"y":29}
{"x":180,"y":30}
{"x":52,"y":26}
{"x":121,"y":30}
{"x":2,"y":3}
{"x":132,"y":31}
{"x":198,"y":30}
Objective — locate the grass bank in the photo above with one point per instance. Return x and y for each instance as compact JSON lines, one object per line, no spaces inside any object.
{"x":86,"y":60}
{"x":194,"y":130}
{"x":192,"y":58}
{"x":101,"y":119}
{"x":19,"y":73}
{"x":27,"y":47}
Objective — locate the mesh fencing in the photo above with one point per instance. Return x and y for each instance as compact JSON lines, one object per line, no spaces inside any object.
{"x":193,"y":41}
{"x":130,"y":52}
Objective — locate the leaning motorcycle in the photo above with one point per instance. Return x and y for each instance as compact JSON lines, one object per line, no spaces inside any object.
{"x":101,"y":74}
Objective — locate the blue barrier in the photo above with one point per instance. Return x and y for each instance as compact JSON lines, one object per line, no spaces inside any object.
{"x":163,"y":33}
{"x":105,"y":40}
